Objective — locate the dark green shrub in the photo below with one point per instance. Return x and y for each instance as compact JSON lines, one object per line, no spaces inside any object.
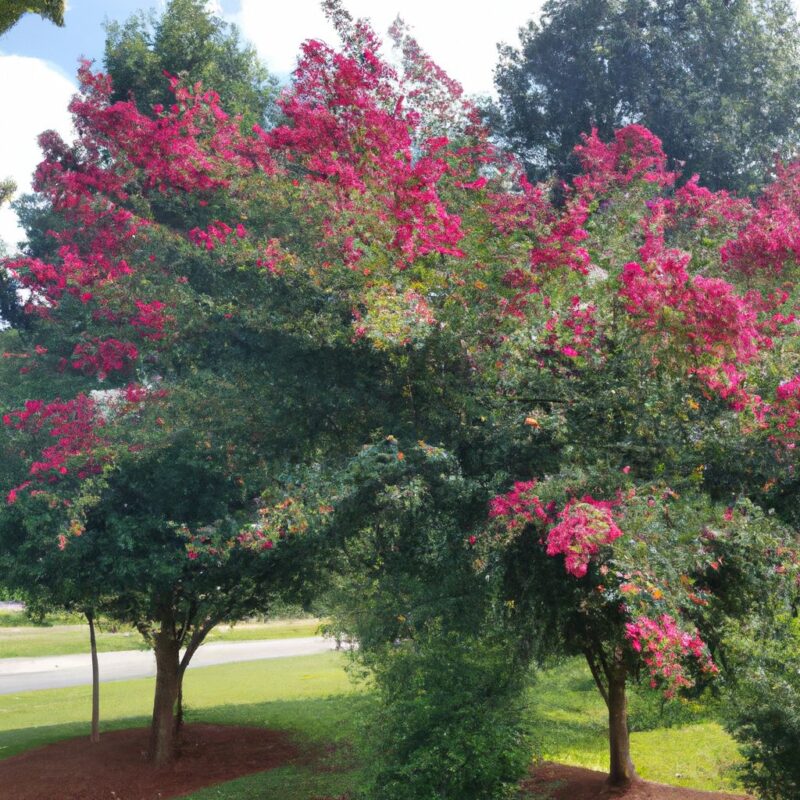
{"x":450,"y":721}
{"x":436,"y":637}
{"x":764,"y":714}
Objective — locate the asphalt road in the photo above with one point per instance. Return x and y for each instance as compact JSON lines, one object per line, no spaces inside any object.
{"x":55,"y":672}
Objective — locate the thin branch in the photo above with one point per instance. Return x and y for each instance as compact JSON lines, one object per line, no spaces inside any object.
{"x":596,"y":675}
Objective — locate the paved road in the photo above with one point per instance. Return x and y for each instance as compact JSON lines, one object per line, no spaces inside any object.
{"x":55,"y":672}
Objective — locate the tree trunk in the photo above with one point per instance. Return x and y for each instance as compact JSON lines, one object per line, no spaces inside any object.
{"x":95,"y":735}
{"x":622,"y":770}
{"x":179,"y":707}
{"x":169,"y":676}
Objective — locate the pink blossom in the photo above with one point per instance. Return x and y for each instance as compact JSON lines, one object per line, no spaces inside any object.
{"x":584,"y":526}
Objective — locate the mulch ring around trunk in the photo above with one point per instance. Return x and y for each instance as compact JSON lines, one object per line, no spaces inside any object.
{"x":116,"y":767}
{"x":559,"y":782}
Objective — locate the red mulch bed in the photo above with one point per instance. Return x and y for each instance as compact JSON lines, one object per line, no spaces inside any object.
{"x":116,"y":769}
{"x":559,"y":782}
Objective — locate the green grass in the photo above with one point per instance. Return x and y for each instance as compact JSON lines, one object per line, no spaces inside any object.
{"x":57,"y":640}
{"x":570,"y":724}
{"x":10,"y":619}
{"x":313,"y":699}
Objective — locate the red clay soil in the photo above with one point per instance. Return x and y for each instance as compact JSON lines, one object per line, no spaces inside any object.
{"x":559,"y":782}
{"x":116,"y":769}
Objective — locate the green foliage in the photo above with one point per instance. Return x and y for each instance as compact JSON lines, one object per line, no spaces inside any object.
{"x":450,"y":722}
{"x":186,"y":40}
{"x":432,"y":632}
{"x":7,"y":189}
{"x":12,"y":10}
{"x":763,"y":712}
{"x":713,"y":79}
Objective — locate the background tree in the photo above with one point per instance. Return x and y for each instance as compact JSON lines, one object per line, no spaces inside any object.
{"x":13,"y":10}
{"x":715,"y":80}
{"x":154,"y":323}
{"x":186,"y":40}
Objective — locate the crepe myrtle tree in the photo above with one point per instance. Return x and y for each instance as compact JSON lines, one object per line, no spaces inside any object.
{"x":216,"y":307}
{"x":641,"y":585}
{"x":158,"y":533}
{"x":653,"y":328}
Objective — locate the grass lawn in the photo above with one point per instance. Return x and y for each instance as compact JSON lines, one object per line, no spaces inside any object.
{"x":570,"y":722}
{"x":312,"y":697}
{"x":57,"y":640}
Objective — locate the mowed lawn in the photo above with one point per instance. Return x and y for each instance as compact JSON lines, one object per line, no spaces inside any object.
{"x":570,"y":720}
{"x":312,"y":698}
{"x":29,"y":641}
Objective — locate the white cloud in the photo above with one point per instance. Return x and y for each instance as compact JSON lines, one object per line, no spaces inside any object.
{"x":34,"y":95}
{"x":461,"y":41}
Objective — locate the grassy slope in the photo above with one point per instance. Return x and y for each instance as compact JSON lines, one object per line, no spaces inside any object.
{"x":312,"y":697}
{"x":570,"y":720}
{"x":58,"y":640}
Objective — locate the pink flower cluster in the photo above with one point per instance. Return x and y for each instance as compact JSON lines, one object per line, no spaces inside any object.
{"x":783,"y":416}
{"x":255,"y":538}
{"x":664,"y":646}
{"x":771,"y":240}
{"x":192,"y":147}
{"x":347,"y":127}
{"x":75,"y":427}
{"x":101,"y":356}
{"x":150,"y":319}
{"x":560,"y":247}
{"x":216,"y":232}
{"x":518,"y":507}
{"x":706,"y":209}
{"x":584,"y":526}
{"x":704,"y":318}
{"x":635,"y":154}
{"x":573,"y":333}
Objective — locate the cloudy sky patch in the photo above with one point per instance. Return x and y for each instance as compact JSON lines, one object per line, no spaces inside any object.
{"x":42,"y":91}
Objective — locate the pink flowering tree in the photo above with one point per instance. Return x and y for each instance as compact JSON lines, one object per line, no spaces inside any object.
{"x":642,"y":336}
{"x":216,"y":307}
{"x":220,"y":307}
{"x":640,"y":585}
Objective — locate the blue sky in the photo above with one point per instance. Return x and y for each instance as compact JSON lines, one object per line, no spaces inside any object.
{"x":83,"y":33}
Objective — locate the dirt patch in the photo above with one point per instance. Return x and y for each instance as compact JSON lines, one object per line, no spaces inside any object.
{"x":559,"y":782}
{"x":116,"y":769}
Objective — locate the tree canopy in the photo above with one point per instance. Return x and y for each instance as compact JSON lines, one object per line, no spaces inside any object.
{"x":363,"y":330}
{"x":186,"y":40}
{"x":714,"y":80}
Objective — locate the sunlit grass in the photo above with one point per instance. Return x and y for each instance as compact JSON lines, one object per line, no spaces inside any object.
{"x":570,"y":724}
